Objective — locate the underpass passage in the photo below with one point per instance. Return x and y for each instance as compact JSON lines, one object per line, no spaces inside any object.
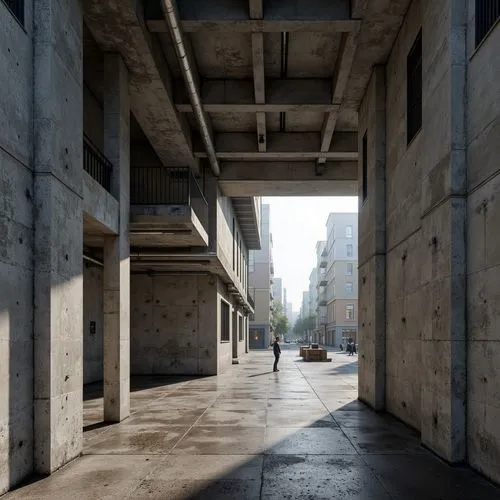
{"x":254,"y":434}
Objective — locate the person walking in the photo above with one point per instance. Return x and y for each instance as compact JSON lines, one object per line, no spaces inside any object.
{"x":277,"y":352}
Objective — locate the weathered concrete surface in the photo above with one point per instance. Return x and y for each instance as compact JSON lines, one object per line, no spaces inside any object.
{"x":176,"y":325}
{"x":58,"y":191}
{"x":16,"y":249}
{"x":252,"y":434}
{"x":116,"y":277}
{"x":483,"y":211}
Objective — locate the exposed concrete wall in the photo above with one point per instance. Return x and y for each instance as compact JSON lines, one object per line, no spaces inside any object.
{"x":483,"y":252}
{"x":16,"y":248}
{"x":404,"y":239}
{"x":174,"y":322}
{"x":92,"y":334}
{"x":425,"y":382}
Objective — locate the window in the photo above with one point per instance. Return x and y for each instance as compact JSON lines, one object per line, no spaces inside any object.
{"x":17,"y":8}
{"x":349,"y":311}
{"x":414,"y":89}
{"x":365,"y":166}
{"x":349,"y":269}
{"x":349,"y":250}
{"x":487,"y":13}
{"x":251,"y":262}
{"x":348,"y":287}
{"x":348,"y":231}
{"x":240,"y":328}
{"x":224,"y":321}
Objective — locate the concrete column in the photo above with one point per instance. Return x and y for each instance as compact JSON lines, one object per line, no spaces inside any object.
{"x":116,"y":278}
{"x":58,"y":294}
{"x":444,"y":211}
{"x":372,"y":244}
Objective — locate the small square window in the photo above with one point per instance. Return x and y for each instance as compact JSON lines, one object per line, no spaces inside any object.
{"x":349,"y":250}
{"x":349,"y":269}
{"x":348,"y":232}
{"x":348,"y":287}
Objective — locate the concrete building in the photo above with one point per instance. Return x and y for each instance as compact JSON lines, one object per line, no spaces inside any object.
{"x":261,"y":280}
{"x":277,"y":288}
{"x":342,"y":278}
{"x":394,"y":100}
{"x":320,"y":281}
{"x":313,"y":300}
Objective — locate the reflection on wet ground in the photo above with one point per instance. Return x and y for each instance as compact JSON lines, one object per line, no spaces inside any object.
{"x":254,"y":434}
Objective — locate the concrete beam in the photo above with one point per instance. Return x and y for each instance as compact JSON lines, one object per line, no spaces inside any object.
{"x":150,"y":80}
{"x":288,"y":179}
{"x":260,"y":26}
{"x":340,"y":77}
{"x":290,"y":145}
{"x":276,"y":91}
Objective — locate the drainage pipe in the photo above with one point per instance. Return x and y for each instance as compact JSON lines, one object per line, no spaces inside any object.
{"x":172,"y":19}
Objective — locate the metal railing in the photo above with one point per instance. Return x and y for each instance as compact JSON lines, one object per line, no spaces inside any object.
{"x":96,"y":164}
{"x":487,"y":13}
{"x":168,"y":186}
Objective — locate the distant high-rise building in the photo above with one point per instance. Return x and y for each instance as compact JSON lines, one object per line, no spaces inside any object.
{"x":260,"y":276}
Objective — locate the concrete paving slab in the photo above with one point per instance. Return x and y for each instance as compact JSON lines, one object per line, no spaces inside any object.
{"x":271,"y":436}
{"x":310,"y":441}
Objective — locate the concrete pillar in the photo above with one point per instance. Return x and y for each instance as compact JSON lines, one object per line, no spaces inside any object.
{"x":372,"y":243}
{"x":116,"y":276}
{"x":58,"y":294}
{"x":444,"y":210}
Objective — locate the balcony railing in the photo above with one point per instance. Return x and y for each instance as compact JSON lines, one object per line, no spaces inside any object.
{"x":251,"y":301}
{"x":168,"y":186}
{"x":96,"y":164}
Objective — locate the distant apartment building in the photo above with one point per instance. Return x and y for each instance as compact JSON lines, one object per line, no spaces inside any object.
{"x":341,"y":278}
{"x":305,"y":309}
{"x":321,"y":285}
{"x":260,"y":278}
{"x":313,"y":292}
{"x":277,"y":289}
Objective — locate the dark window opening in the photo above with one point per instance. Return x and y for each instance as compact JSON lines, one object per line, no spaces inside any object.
{"x":17,"y":8}
{"x":365,"y":166}
{"x":487,"y":13}
{"x":224,"y":321}
{"x":414,"y":89}
{"x":240,"y":328}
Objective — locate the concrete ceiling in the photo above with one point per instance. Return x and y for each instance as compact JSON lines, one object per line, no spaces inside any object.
{"x":279,"y":80}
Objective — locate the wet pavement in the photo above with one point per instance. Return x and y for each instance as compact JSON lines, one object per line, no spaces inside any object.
{"x":254,"y":434}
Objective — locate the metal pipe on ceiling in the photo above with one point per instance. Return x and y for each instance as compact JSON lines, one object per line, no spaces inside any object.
{"x":149,"y":254}
{"x":172,"y":19}
{"x":97,"y":262}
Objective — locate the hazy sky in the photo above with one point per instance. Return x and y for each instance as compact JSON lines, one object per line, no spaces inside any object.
{"x":296,"y":225}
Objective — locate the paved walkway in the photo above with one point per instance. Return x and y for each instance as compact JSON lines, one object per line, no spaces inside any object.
{"x":254,"y":434}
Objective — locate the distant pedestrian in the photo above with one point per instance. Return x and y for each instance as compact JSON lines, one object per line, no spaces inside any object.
{"x":277,"y":352}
